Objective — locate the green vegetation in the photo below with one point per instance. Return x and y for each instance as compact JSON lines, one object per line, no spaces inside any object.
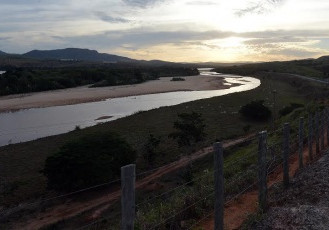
{"x":178,"y":79}
{"x":24,"y":80}
{"x":288,"y":109}
{"x":190,"y":127}
{"x":22,"y":162}
{"x":89,"y":160}
{"x":150,"y":150}
{"x":256,"y":111}
{"x":317,"y":68}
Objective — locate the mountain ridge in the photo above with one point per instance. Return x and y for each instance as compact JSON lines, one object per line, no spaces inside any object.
{"x":76,"y":54}
{"x":2,"y":53}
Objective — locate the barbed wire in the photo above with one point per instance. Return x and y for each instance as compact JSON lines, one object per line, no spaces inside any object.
{"x":204,"y":218}
{"x":177,"y":188}
{"x":22,"y":206}
{"x":182,"y":210}
{"x":240,"y":193}
{"x":93,"y":223}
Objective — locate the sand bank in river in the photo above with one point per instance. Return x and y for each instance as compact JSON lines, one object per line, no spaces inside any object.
{"x":85,"y":94}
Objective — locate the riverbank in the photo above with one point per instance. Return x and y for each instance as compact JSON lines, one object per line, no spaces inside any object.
{"x":84,"y":94}
{"x":23,"y":163}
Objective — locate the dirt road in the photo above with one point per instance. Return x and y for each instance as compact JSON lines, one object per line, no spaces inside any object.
{"x":101,"y":203}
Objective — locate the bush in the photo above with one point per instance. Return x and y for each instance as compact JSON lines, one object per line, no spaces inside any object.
{"x":189,"y":127}
{"x":288,"y":109}
{"x":90,"y":160}
{"x":256,"y":111}
{"x":178,"y":79}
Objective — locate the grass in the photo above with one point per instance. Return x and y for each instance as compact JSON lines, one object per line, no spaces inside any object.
{"x":22,"y":163}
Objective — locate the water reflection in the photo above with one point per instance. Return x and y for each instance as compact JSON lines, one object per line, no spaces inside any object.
{"x":30,"y":124}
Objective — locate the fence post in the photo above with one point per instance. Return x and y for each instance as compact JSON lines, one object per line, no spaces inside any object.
{"x":301,"y":141}
{"x":327,"y":125}
{"x":128,"y":177}
{"x":286,"y":132}
{"x":262,"y":172}
{"x":322,"y":129}
{"x":219,"y":186}
{"x":317,"y":142}
{"x":310,"y":136}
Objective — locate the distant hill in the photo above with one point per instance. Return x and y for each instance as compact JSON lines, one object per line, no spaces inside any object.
{"x":323,"y":59}
{"x":317,"y":68}
{"x":76,"y":54}
{"x":2,"y":53}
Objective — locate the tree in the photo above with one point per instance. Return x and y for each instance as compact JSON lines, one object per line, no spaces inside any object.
{"x":87,"y":161}
{"x":190,"y":127}
{"x":256,"y":110}
{"x":150,"y":149}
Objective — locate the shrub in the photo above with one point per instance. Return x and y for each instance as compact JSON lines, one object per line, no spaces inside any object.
{"x":246,"y":128}
{"x":150,"y":148}
{"x":288,"y":109}
{"x":190,"y":127}
{"x":178,"y":79}
{"x":90,"y":160}
{"x":256,"y":111}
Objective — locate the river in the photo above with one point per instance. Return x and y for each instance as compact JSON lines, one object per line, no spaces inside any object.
{"x":31,"y":124}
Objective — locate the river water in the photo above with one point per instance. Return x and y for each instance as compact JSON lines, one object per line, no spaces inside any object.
{"x":31,"y":124}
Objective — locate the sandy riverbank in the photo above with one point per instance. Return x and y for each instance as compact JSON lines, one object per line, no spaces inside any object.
{"x":85,"y":94}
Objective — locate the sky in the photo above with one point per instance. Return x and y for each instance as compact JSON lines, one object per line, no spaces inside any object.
{"x":171,"y":30}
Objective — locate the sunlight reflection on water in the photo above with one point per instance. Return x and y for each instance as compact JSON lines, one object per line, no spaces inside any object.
{"x":30,"y":124}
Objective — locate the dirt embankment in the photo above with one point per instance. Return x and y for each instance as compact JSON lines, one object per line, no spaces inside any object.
{"x":305,"y":204}
{"x":310,"y":185}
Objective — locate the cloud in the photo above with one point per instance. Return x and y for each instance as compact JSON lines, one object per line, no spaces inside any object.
{"x":295,"y":52}
{"x":107,"y":18}
{"x":4,"y":38}
{"x":142,"y":3}
{"x":202,"y":3}
{"x":259,"y":7}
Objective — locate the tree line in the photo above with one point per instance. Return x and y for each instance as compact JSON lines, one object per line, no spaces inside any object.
{"x":25,"y":80}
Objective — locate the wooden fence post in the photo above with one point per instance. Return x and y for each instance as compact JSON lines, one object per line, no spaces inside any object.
{"x":322,"y":129}
{"x":219,"y":186}
{"x":286,"y":150}
{"x":262,"y":172}
{"x":317,"y":141}
{"x":128,"y":178}
{"x":301,"y":141}
{"x":310,"y":137}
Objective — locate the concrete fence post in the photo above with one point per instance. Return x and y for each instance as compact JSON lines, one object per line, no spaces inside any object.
{"x":327,"y":125}
{"x":322,"y":129}
{"x":317,"y":136}
{"x":286,"y":153}
{"x":262,"y":171}
{"x":310,"y":137}
{"x":219,"y":186}
{"x":301,"y":141}
{"x":128,"y":178}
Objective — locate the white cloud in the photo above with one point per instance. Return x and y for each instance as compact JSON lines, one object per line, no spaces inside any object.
{"x":186,"y":27}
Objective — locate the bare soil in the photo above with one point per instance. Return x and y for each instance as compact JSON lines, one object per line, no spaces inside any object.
{"x":85,"y":94}
{"x":100,"y":203}
{"x":240,"y":209}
